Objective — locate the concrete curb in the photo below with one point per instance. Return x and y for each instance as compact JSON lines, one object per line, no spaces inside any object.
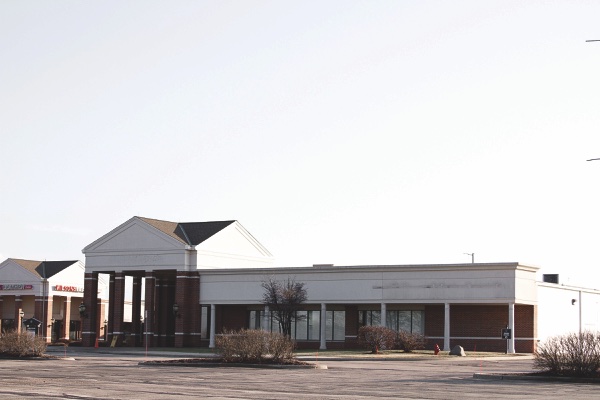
{"x":538,"y":378}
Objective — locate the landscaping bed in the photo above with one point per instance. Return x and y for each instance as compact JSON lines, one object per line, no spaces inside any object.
{"x":219,"y":362}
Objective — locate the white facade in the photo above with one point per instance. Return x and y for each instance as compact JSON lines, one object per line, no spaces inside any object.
{"x":567,"y":309}
{"x":18,"y":281}
{"x":499,"y":283}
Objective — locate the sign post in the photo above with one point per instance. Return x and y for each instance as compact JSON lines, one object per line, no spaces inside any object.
{"x":506,"y":335}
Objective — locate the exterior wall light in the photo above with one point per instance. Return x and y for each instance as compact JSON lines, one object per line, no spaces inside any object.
{"x":82,"y":310}
{"x":176,"y":309}
{"x":573,"y":301}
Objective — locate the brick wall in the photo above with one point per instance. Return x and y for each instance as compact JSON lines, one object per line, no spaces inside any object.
{"x":434,"y":320}
{"x":351,"y":330}
{"x":90,"y":299}
{"x":187,"y":328}
{"x":481,"y":321}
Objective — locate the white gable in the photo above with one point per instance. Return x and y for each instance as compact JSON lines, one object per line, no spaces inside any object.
{"x":138,"y":246}
{"x":71,"y":276}
{"x":27,"y":283}
{"x":135,"y":246}
{"x":134,"y":235}
{"x":11,"y":272}
{"x":233,"y":247}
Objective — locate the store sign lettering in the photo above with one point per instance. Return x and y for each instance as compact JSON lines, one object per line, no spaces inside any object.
{"x":16,"y":287}
{"x":65,"y":288}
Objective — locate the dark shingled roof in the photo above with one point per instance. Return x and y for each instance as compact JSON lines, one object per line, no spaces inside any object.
{"x":192,"y":233}
{"x":45,"y":269}
{"x":198,"y":232}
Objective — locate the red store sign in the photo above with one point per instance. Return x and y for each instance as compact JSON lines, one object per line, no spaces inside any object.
{"x":65,"y":288}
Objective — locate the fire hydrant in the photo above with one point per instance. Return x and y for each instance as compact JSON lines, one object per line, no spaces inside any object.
{"x":436,"y":349}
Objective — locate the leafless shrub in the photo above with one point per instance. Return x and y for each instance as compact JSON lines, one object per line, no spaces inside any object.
{"x":376,"y":338}
{"x":14,"y":344}
{"x":408,"y":341}
{"x":281,"y":348}
{"x":570,"y":355}
{"x":254,"y":346}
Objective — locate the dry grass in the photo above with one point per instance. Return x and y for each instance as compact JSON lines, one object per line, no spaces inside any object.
{"x":13,"y":344}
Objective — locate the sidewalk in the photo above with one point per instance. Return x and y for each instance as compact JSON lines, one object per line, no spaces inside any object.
{"x":205,"y":353}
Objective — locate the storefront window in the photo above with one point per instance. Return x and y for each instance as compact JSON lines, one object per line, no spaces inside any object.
{"x":307,"y":325}
{"x":301,"y":328}
{"x":405,"y":320}
{"x":369,"y":317}
{"x":335,"y":326}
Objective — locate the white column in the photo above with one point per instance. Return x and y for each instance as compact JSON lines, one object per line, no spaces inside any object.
{"x":323,"y":345}
{"x":383,"y":314}
{"x":446,"y":327}
{"x":266,"y":319}
{"x":511,"y":325}
{"x":213,"y":311}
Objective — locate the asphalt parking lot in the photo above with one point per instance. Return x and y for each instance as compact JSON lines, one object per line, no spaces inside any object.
{"x":115,"y":374}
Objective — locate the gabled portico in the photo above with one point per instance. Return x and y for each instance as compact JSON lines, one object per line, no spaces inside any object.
{"x":163,"y":258}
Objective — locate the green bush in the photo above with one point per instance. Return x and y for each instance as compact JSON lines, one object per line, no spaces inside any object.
{"x":376,"y":338}
{"x":408,"y":341}
{"x":14,"y":344}
{"x":254,"y":346}
{"x":570,"y":355}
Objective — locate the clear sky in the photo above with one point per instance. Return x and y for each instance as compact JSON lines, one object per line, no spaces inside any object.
{"x":345,"y":132}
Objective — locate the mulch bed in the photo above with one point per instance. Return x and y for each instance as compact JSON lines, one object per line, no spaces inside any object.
{"x":219,"y":361}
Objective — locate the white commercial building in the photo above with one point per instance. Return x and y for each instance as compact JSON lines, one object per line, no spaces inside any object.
{"x":202,"y":278}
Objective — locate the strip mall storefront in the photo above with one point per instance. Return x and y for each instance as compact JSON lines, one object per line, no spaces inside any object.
{"x":199,"y":279}
{"x":42,"y":297}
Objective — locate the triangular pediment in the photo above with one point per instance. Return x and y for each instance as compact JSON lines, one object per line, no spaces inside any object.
{"x":134,"y":235}
{"x":10,"y":271}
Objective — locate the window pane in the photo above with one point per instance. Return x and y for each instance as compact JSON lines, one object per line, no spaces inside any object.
{"x":252,"y":320}
{"x":417,"y":322}
{"x":362,"y":318}
{"x":203,"y":322}
{"x":404,"y":321}
{"x":339,"y":325}
{"x":301,"y":325}
{"x":313,"y":325}
{"x":391,"y":319}
{"x":375,"y":318}
{"x":329,"y":325}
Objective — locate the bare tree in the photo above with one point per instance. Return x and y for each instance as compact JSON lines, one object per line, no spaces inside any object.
{"x":284,"y":299}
